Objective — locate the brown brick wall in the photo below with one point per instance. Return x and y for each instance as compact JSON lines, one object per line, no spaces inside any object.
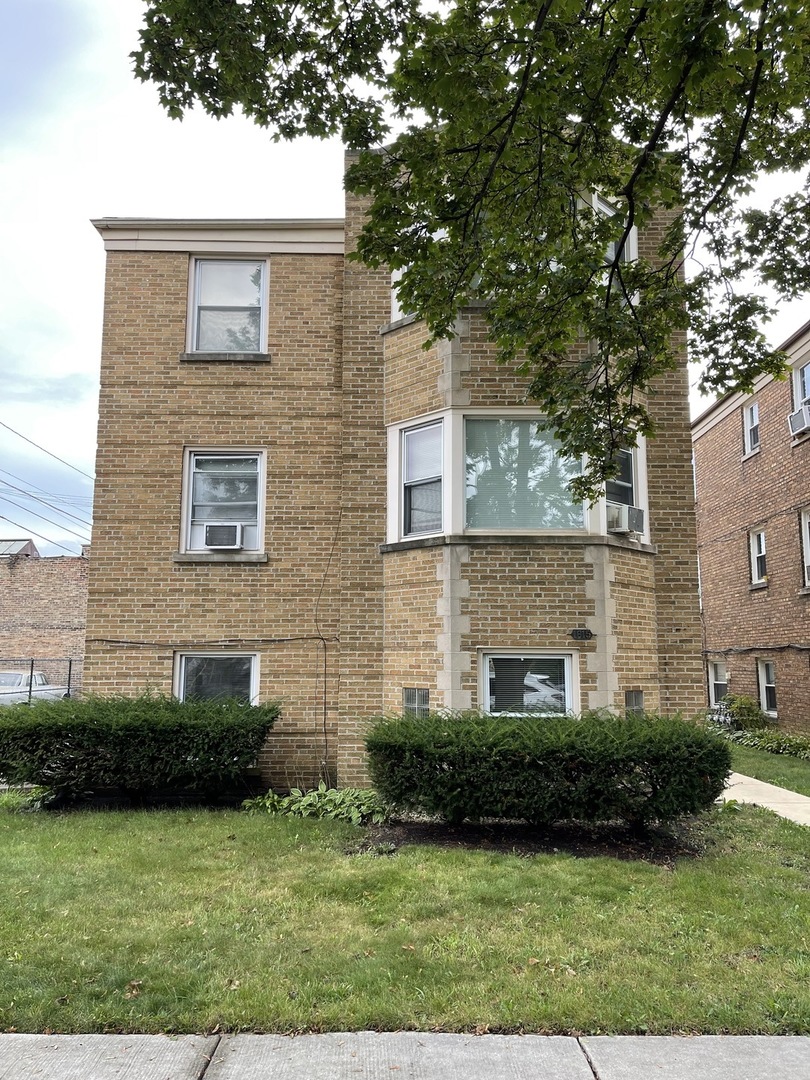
{"x":143,"y":605}
{"x":737,"y":493}
{"x":43,"y":609}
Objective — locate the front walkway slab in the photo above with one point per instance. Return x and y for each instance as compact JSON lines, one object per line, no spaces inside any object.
{"x":788,"y":804}
{"x":406,"y":1055}
{"x":104,"y":1057}
{"x":703,"y":1057}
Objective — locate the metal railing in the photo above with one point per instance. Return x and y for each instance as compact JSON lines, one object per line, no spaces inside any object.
{"x":62,"y":675}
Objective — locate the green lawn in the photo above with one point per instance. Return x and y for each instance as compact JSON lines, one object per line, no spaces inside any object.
{"x":788,"y":772}
{"x":182,"y":921}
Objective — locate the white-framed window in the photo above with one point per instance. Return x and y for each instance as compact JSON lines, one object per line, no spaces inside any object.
{"x":422,"y":469}
{"x":805,"y":527}
{"x":766,"y":677}
{"x":480,"y":470}
{"x":228,"y":306}
{"x":622,"y":487}
{"x":718,"y":681}
{"x":516,"y":477}
{"x":759,"y":566}
{"x":751,"y":427}
{"x":211,"y":675}
{"x":523,"y":683}
{"x":223,"y":500}
{"x":629,"y":251}
{"x":801,"y":385}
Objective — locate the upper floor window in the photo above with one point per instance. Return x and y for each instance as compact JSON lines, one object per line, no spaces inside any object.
{"x":228,"y":306}
{"x":222,"y":503}
{"x":801,"y":385}
{"x":759,"y":567}
{"x":516,"y":477}
{"x":422,"y":479}
{"x":805,"y":527}
{"x":751,"y":426}
{"x":484,"y":471}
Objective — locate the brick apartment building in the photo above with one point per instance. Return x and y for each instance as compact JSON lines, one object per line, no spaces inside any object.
{"x":752,"y":474}
{"x":43,"y":604}
{"x":296,"y":501}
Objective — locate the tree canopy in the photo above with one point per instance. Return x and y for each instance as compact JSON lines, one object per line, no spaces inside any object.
{"x":511,"y":148}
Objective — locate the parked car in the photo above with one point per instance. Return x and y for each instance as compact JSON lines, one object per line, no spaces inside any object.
{"x":17,"y":686}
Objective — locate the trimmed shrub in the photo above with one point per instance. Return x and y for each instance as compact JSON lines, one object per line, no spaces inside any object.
{"x":597,"y":767}
{"x":135,"y":745}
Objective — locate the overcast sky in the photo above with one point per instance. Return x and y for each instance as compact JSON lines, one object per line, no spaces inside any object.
{"x":82,"y":139}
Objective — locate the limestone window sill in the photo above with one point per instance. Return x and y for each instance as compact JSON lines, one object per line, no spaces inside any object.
{"x":224,"y":358}
{"x":219,"y":557}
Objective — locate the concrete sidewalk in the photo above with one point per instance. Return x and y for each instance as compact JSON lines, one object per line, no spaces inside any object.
{"x":787,"y":804}
{"x":404,"y":1055}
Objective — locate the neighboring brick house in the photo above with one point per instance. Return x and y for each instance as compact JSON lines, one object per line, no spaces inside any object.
{"x":752,"y":474}
{"x":295,"y":500}
{"x":43,"y":604}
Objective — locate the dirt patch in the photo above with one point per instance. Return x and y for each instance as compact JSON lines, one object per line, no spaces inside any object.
{"x":662,"y":847}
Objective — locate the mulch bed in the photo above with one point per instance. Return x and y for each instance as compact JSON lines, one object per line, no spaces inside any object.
{"x":660,"y":846}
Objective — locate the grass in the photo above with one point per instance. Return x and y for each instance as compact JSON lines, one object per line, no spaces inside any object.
{"x":787,"y":772}
{"x":191,"y":920}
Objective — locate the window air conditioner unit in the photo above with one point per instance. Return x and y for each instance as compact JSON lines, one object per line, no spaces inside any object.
{"x":624,"y":519}
{"x":799,"y":421}
{"x":224,"y":537}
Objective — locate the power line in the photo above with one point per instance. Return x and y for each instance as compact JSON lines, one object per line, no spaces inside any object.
{"x":56,"y":524}
{"x":50,"y":494}
{"x":26,"y":528}
{"x":36,"y":498}
{"x":44,"y":451}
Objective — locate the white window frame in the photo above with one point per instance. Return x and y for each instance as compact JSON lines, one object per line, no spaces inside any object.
{"x":805,"y":546}
{"x":751,"y":427}
{"x":758,"y":556}
{"x":405,"y":484}
{"x":178,"y":675}
{"x":604,"y":206}
{"x":570,"y":660}
{"x":764,"y":682}
{"x":714,"y":681}
{"x":640,"y":495}
{"x":801,"y":384}
{"x":194,"y":304}
{"x":190,"y":454}
{"x":454,"y":479}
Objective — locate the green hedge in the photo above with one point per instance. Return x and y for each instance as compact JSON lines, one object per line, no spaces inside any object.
{"x":135,"y":745}
{"x":597,"y":767}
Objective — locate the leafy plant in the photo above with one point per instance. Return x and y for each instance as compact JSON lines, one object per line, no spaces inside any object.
{"x":742,"y":713}
{"x":597,"y":767}
{"x":775,"y":742}
{"x":136,"y":745}
{"x":484,"y":133}
{"x":358,"y":806}
{"x":18,"y":800}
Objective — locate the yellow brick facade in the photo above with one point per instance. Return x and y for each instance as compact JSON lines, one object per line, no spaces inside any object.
{"x":341,"y":614}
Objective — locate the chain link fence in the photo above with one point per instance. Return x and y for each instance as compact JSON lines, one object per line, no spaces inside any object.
{"x":25,"y":678}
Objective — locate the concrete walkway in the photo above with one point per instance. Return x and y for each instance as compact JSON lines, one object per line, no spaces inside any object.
{"x":787,"y":804}
{"x":404,"y":1056}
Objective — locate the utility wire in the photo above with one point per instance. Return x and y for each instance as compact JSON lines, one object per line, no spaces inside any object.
{"x":56,"y":524}
{"x":44,"y":451}
{"x":17,"y":525}
{"x":50,"y":494}
{"x":36,"y":498}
